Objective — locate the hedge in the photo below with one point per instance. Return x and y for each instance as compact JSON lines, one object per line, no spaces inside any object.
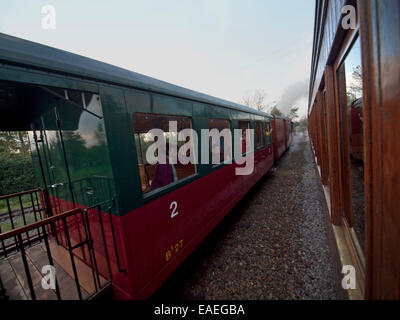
{"x":16,"y":173}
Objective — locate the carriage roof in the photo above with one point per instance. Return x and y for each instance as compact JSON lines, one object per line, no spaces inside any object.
{"x":27,"y":53}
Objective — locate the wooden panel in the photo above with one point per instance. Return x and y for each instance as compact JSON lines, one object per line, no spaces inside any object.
{"x":324,"y":41}
{"x":321,"y":149}
{"x":344,"y":144}
{"x":368,"y":32}
{"x":390,"y":113}
{"x":380,"y":32}
{"x":325,"y":159}
{"x":333,"y":146}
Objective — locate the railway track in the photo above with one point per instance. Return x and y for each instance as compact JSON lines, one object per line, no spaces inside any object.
{"x":4,"y":216}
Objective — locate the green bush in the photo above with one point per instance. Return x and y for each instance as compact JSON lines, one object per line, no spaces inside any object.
{"x":16,"y":173}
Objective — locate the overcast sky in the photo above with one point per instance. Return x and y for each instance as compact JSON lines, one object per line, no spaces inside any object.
{"x":225,"y":48}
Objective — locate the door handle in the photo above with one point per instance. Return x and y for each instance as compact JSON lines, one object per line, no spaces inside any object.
{"x":89,"y":191}
{"x":56,"y":185}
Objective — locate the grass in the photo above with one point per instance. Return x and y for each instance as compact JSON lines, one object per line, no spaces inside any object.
{"x":18,"y":222}
{"x":15,"y":206}
{"x":14,"y":203}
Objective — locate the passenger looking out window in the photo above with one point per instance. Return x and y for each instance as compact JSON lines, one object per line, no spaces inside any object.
{"x":268,"y":132}
{"x":154,"y":176}
{"x":164,"y":174}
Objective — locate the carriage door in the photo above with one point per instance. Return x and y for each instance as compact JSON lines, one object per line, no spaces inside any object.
{"x":54,"y":162}
{"x":73,"y":152}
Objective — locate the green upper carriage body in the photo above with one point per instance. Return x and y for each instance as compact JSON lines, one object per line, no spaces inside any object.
{"x":82,"y":111}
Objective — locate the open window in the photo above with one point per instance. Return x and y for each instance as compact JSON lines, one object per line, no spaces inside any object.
{"x":268,"y":132}
{"x":160,"y":175}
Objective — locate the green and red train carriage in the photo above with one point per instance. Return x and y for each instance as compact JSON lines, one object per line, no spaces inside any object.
{"x":282,"y":135}
{"x":88,"y":122}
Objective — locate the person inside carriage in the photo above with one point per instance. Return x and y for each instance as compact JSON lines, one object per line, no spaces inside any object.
{"x":164,"y":174}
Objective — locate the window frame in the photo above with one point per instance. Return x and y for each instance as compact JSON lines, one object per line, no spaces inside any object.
{"x":153,"y":194}
{"x":269,"y":137}
{"x":249,"y":128}
{"x":214,"y":166}
{"x":262,"y":143}
{"x":343,"y":176}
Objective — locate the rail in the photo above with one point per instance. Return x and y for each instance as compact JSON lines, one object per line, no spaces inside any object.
{"x":20,"y":209}
{"x":16,"y":233}
{"x":59,"y":223}
{"x":114,"y":240}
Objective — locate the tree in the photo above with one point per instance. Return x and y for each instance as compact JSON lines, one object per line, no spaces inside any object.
{"x":16,"y":170}
{"x":14,"y":142}
{"x":303,"y":123}
{"x":275,"y":111}
{"x":293,"y":113}
{"x":354,"y":88}
{"x":256,"y":100}
{"x":16,"y":173}
{"x":23,"y":142}
{"x":351,"y":97}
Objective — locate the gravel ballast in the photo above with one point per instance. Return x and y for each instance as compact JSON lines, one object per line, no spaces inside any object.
{"x":273,"y":245}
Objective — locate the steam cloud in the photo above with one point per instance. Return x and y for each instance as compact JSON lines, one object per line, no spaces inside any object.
{"x":292,"y":94}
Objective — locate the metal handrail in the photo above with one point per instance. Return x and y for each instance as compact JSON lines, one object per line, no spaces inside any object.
{"x":16,"y":233}
{"x":114,"y":239}
{"x":48,"y":225}
{"x":17,"y":194}
{"x":37,"y":224}
{"x":33,"y":209}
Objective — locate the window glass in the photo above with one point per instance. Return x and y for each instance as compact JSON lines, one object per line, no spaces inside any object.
{"x":156,"y":176}
{"x":258,"y":135}
{"x":268,"y":132}
{"x":350,"y":86}
{"x":244,"y":125}
{"x":223,"y":147}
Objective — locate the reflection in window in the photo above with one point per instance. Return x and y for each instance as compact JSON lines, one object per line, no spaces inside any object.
{"x":350,"y":84}
{"x":244,"y":125}
{"x":156,"y":176}
{"x":81,"y":146}
{"x":221,"y":149}
{"x":258,"y":134}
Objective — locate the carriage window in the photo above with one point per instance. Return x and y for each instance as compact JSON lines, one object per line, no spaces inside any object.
{"x":223,"y":147}
{"x":350,"y":87}
{"x":156,"y":176}
{"x":268,"y":132}
{"x":244,"y":125}
{"x":258,"y":135}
